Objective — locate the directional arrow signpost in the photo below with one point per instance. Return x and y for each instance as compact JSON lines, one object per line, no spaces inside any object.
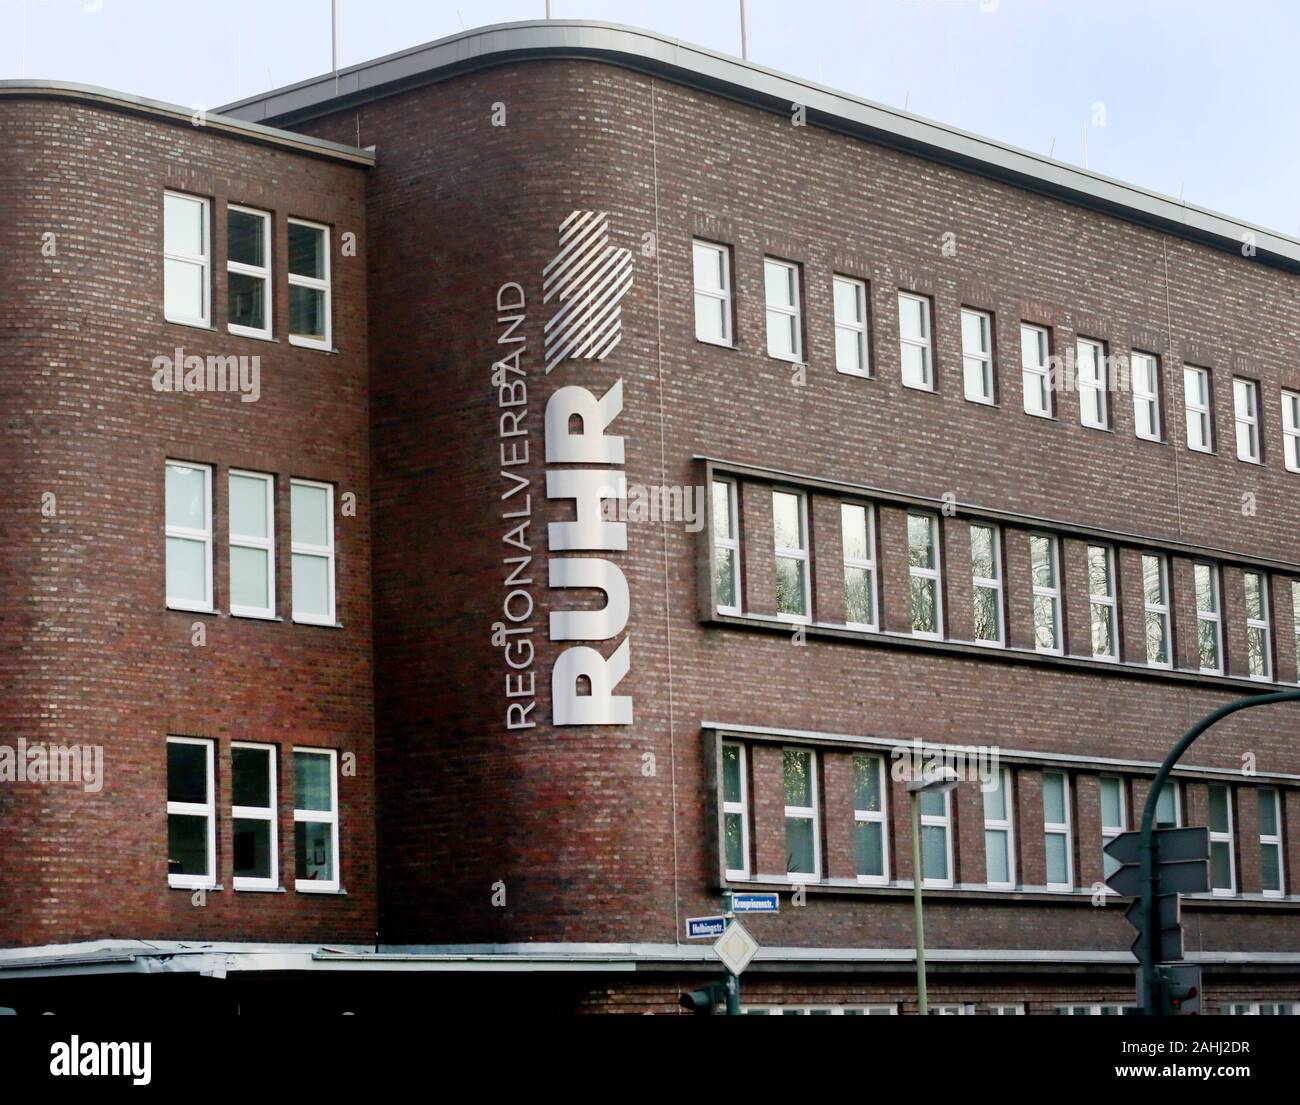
{"x":1182,"y":859}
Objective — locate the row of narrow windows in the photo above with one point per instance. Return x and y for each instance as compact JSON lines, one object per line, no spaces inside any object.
{"x":982,"y":556}
{"x":1055,"y":840}
{"x":1086,"y":367}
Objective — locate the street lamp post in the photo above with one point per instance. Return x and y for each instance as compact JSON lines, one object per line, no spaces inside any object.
{"x":938,"y":781}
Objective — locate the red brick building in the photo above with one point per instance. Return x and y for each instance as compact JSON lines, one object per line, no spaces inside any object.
{"x":651,"y":451}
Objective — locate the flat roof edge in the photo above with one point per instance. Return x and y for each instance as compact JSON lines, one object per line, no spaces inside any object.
{"x":242,"y":129}
{"x":697,"y":66}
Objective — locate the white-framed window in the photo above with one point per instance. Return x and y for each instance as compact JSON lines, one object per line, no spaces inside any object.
{"x":818,"y":1010}
{"x":712,"y":268}
{"x":1196,"y":399}
{"x":802,"y":839}
{"x":1114,"y":818}
{"x":187,"y":259}
{"x":254,"y":816}
{"x":1295,"y":621}
{"x":999,"y":842}
{"x":1209,"y":618}
{"x":986,"y":582}
{"x":1169,"y":809}
{"x":858,"y":534}
{"x":309,"y":285}
{"x":1092,"y":1009}
{"x":977,"y":355}
{"x":1056,"y":830}
{"x":1291,"y":430}
{"x":1245,"y":416}
{"x":1155,"y":602}
{"x":949,"y":1009}
{"x":784,"y":324}
{"x":870,"y":819}
{"x":188,"y":531}
{"x":735,"y":811}
{"x":925,"y":599}
{"x":914,"y":341}
{"x":790,"y":530}
{"x":252,"y":544}
{"x":1144,"y":379}
{"x":852,"y":344}
{"x":191,"y":814}
{"x":1044,"y":562}
{"x":726,"y":547}
{"x":248,"y":271}
{"x":936,"y":837}
{"x":316,"y":820}
{"x":1262,"y":1008}
{"x":1090,"y":379}
{"x":311,"y":524}
{"x":1101,"y":602}
{"x":1223,"y":863}
{"x":1008,"y":1009}
{"x":1259,"y":659}
{"x":1035,"y":372}
{"x":1270,"y":841}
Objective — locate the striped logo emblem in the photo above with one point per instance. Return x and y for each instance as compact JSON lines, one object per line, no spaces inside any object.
{"x":589,"y":277}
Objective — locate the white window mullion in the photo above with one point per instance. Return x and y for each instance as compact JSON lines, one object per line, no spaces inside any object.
{"x":187,"y":259}
{"x":1155,"y":599}
{"x":1259,"y":658}
{"x":914,"y":340}
{"x":1046,"y":577}
{"x":1245,"y":409}
{"x":711,"y":265}
{"x":1223,"y":863}
{"x":1209,"y":619}
{"x":1035,"y":370}
{"x":735,"y":811}
{"x":790,"y":532}
{"x":248,"y":281}
{"x":977,"y":355}
{"x":310,"y":309}
{"x":188,"y":535}
{"x":252,"y":544}
{"x":1101,"y":602}
{"x":1272,"y":867}
{"x":784,"y":324}
{"x":857,"y":532}
{"x":726,"y":547}
{"x":986,"y":583}
{"x":1144,"y":379}
{"x":1196,"y":399}
{"x":1056,"y":830}
{"x":852,"y":347}
{"x":870,"y":819}
{"x":802,"y":831}
{"x":1090,"y":370}
{"x":244,"y":756}
{"x":183,"y":811}
{"x":312,"y":551}
{"x":999,"y":839}
{"x":1291,"y":430}
{"x":316,"y":853}
{"x":924,"y":567}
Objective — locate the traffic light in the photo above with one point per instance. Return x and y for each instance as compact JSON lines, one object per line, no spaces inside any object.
{"x":709,"y":999}
{"x":1180,"y":990}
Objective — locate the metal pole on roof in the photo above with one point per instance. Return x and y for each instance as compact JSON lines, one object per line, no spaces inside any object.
{"x":334,"y":41}
{"x":744,"y":38}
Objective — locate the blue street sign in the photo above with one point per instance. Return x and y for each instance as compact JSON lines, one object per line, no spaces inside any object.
{"x":703,"y":928}
{"x":755,"y":903}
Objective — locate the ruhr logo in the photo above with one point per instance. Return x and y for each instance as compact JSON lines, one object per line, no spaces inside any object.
{"x":585,"y":465}
{"x":589,"y":277}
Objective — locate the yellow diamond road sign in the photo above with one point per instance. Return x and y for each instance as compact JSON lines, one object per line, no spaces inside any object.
{"x":736,"y":947}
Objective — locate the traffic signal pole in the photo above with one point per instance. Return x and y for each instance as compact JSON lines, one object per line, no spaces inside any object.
{"x":1150,"y":876}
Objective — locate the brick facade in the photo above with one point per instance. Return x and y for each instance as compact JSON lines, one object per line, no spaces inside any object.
{"x":609,"y":834}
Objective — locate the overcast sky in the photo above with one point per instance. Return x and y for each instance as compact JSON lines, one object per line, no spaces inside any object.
{"x":1198,"y":97}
